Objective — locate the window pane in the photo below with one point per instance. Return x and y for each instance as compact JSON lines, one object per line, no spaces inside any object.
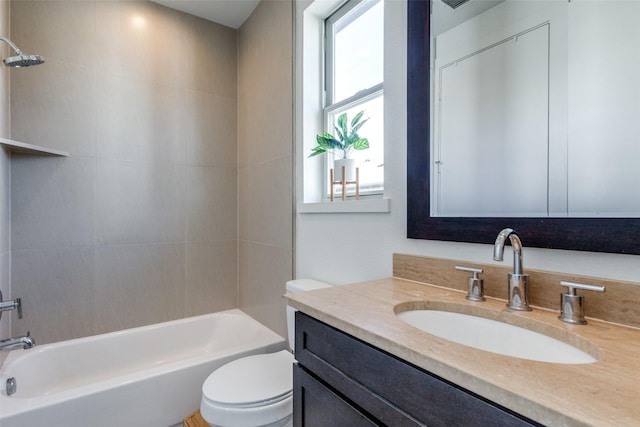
{"x":371,"y":160}
{"x":358,"y":50}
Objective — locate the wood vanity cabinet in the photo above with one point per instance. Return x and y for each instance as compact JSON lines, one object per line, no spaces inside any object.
{"x":342,"y":381}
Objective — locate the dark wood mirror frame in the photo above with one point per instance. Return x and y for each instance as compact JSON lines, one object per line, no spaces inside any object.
{"x":615,"y":235}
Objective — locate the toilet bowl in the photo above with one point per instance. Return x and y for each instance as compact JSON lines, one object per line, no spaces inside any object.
{"x":255,"y":391}
{"x":251,"y":391}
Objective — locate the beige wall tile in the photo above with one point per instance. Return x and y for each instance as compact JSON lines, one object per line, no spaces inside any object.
{"x":211,"y":203}
{"x":139,"y":40}
{"x":139,"y":202}
{"x":264,"y":271}
{"x":266,"y":83}
{"x":212,"y":270}
{"x":205,"y":66}
{"x":5,"y":72}
{"x":53,"y":201}
{"x":5,"y":201}
{"x":265,"y":157}
{"x":138,"y":120}
{"x":139,"y":285}
{"x":57,"y":291}
{"x":5,"y":180}
{"x":33,"y":32}
{"x":54,"y":105}
{"x":245,"y":216}
{"x":5,"y":281}
{"x":210,"y":129}
{"x":267,"y":191}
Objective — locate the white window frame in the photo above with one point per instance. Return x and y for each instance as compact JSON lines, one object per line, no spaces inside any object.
{"x":329,"y":106}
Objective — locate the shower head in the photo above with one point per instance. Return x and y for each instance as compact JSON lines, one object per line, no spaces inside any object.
{"x":20,"y":60}
{"x":23,"y":61}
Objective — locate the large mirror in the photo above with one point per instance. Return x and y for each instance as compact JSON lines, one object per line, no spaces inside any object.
{"x":570,"y":169}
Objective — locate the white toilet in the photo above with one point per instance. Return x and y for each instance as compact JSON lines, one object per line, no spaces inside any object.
{"x":255,"y":391}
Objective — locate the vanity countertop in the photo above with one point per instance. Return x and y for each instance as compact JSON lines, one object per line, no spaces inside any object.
{"x":604,"y":393}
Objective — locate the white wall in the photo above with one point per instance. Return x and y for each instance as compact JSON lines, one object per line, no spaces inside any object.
{"x":345,"y":248}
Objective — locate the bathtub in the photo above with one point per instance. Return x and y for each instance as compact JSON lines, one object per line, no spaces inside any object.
{"x":148,"y":376}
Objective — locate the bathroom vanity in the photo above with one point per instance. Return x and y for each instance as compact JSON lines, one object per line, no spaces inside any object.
{"x":340,"y":380}
{"x":360,"y":364}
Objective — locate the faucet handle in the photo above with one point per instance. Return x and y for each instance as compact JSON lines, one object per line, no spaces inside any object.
{"x":572,"y":304}
{"x":476,"y":283}
{"x":11,"y":305}
{"x":19,"y":306}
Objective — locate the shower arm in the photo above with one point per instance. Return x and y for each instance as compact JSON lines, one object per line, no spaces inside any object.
{"x":12,"y":44}
{"x":20,"y":60}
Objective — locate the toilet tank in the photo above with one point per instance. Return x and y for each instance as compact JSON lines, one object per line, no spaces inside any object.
{"x":299,"y":285}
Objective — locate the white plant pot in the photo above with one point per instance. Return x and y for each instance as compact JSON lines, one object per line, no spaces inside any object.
{"x":349,"y":166}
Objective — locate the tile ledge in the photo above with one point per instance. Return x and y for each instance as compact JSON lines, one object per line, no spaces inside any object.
{"x":348,"y":206}
{"x":23,"y":147}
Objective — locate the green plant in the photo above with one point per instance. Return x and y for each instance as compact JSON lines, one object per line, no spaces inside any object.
{"x":346,"y":141}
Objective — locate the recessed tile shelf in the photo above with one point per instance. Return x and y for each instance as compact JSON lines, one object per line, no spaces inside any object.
{"x":23,"y":147}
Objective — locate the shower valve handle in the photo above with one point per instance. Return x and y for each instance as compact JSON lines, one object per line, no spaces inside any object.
{"x":11,"y":305}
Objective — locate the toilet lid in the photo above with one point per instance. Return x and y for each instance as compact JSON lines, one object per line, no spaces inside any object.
{"x":251,"y":380}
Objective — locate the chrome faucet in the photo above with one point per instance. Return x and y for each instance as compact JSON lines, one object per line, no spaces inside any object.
{"x":24,"y":341}
{"x":518,"y":281}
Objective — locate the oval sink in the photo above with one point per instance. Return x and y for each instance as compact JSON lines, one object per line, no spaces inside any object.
{"x":494,"y":336}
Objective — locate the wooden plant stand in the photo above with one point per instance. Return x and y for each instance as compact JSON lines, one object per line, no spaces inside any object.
{"x":344,"y":183}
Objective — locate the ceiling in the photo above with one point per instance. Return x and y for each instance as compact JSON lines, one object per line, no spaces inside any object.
{"x":231,"y":13}
{"x":444,"y":17}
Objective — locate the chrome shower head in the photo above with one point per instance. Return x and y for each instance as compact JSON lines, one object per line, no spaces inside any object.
{"x":20,"y":60}
{"x":23,"y":61}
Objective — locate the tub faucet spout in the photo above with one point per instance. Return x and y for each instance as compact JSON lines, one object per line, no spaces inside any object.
{"x":24,"y":341}
{"x":518,"y":281}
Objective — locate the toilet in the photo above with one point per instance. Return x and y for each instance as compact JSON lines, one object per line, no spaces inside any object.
{"x":255,"y":391}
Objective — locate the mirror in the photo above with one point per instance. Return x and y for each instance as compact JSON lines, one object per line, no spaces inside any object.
{"x":619,"y":232}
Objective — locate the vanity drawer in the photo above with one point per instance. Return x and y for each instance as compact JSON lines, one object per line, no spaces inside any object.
{"x":390,"y":389}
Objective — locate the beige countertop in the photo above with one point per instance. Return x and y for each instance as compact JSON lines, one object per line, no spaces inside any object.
{"x":604,"y":393}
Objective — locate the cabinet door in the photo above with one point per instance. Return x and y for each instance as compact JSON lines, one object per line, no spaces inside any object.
{"x":316,"y":405}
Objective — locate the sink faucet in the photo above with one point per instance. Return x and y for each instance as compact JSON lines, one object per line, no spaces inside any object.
{"x":518,"y":281}
{"x":24,"y":341}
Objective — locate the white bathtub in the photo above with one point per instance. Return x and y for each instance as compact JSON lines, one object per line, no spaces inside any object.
{"x":148,"y":376}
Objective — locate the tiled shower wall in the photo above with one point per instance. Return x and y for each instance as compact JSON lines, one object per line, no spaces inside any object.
{"x":265,"y":114}
{"x":5,"y":180}
{"x":139,"y":224}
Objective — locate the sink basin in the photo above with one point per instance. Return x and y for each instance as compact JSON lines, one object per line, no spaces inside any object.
{"x":494,"y":336}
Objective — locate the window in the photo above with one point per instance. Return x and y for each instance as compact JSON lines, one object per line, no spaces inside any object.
{"x":354,"y":82}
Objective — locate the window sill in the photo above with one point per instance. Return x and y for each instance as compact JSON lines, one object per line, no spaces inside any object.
{"x":348,"y":206}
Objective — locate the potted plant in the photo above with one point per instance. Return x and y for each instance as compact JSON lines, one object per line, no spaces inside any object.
{"x":341,"y":146}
